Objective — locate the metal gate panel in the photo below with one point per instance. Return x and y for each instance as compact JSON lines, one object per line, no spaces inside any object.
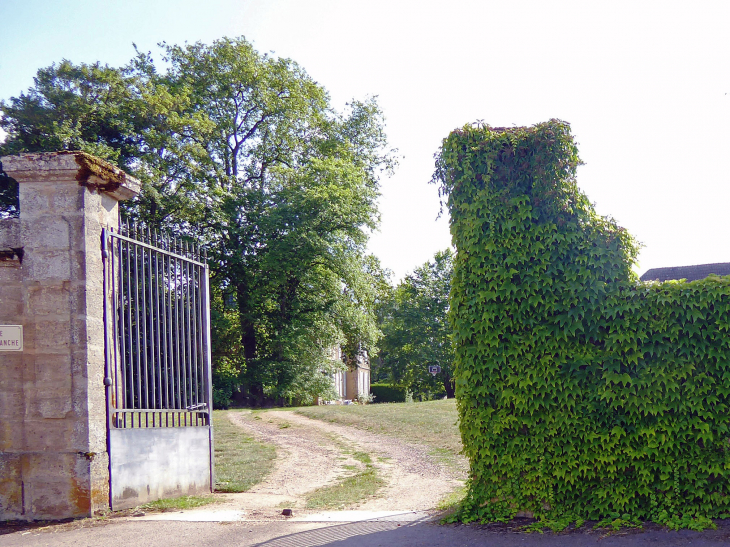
{"x":155,"y":463}
{"x":158,"y":366}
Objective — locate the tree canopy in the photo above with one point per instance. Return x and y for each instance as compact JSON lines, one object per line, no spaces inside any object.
{"x":244,"y":153}
{"x":416,"y":331}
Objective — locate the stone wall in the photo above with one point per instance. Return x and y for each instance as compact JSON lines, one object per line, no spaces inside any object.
{"x":53,"y":453}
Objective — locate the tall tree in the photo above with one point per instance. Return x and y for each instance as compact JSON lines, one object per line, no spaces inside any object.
{"x":244,"y":151}
{"x":75,"y":107}
{"x":416,"y":332}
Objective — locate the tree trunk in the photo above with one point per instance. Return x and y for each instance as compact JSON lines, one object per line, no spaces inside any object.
{"x":449,"y":387}
{"x":248,"y":341}
{"x":248,"y":331}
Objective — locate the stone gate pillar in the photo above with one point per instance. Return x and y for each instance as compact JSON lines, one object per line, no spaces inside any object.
{"x":53,"y":449}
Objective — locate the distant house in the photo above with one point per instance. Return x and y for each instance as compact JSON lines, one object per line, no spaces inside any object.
{"x":690,"y":273}
{"x":354,"y":382}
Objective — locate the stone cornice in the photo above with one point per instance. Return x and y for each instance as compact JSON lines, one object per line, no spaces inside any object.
{"x":94,"y":173}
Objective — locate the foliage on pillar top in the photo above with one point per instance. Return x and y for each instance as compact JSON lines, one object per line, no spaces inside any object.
{"x":583,"y":393}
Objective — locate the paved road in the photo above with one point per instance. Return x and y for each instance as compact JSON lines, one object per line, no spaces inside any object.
{"x":370,"y":533}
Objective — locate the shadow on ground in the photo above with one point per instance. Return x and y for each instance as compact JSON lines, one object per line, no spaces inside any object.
{"x":370,"y":534}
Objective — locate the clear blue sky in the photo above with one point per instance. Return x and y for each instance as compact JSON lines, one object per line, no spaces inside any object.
{"x":644,"y":85}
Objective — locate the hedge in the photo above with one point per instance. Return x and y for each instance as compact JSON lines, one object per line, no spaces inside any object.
{"x":583,"y":393}
{"x":386,"y":393}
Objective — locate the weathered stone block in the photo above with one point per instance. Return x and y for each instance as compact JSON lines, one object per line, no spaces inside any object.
{"x":48,"y":498}
{"x":29,"y":337}
{"x":67,"y":199}
{"x":49,"y":435}
{"x":11,"y":489}
{"x":49,"y":300}
{"x":99,"y":470}
{"x":11,"y":399}
{"x":79,"y":363}
{"x":10,"y":232}
{"x":94,"y":263}
{"x":94,"y":330}
{"x":46,"y":465}
{"x":10,"y":272}
{"x":11,"y":311}
{"x":41,"y":166}
{"x":12,"y":369}
{"x":56,"y":335}
{"x":47,"y":265}
{"x":49,"y":232}
{"x":10,"y":293}
{"x":12,"y":438}
{"x":55,"y":407}
{"x":34,"y":199}
{"x":48,"y":400}
{"x":80,"y":434}
{"x":53,"y":369}
{"x":80,"y":270}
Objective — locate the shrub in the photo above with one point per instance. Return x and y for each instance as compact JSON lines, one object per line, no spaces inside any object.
{"x":581,"y":391}
{"x":386,"y":393}
{"x":225,"y":382}
{"x":366,"y":399}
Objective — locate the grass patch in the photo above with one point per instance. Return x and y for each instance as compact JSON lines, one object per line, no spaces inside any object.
{"x":347,"y":492}
{"x":240,"y":461}
{"x":432,"y":423}
{"x":362,"y":484}
{"x":451,"y":503}
{"x":179,"y":504}
{"x":362,"y":457}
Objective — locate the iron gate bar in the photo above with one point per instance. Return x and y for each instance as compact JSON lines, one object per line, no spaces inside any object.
{"x":181,"y":383}
{"x":107,"y":373}
{"x":175,"y":381}
{"x":157,"y":307}
{"x":189,"y":360}
{"x":160,"y":330}
{"x":161,"y":250}
{"x":207,"y":358}
{"x":115,"y":325}
{"x":199,"y":340}
{"x":189,"y":338}
{"x":144,"y":362}
{"x":194,"y":338}
{"x":151,"y":366}
{"x":120,"y":328}
{"x":137,"y":348}
{"x":182,"y":334}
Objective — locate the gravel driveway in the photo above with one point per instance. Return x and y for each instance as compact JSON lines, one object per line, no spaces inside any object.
{"x":312,"y":454}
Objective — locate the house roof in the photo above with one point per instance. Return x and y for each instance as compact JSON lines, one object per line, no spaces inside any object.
{"x":690,"y":273}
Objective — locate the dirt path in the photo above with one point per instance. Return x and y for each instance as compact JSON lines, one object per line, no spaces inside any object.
{"x":313,"y":454}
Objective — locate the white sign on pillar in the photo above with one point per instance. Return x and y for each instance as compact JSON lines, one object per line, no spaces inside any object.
{"x":11,"y":337}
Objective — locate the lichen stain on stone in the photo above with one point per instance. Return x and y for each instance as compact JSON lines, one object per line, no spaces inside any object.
{"x":100,"y":498}
{"x":80,"y":498}
{"x":11,"y":492}
{"x":6,"y":436}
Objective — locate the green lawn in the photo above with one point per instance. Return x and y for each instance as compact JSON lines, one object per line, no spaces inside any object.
{"x":240,"y":461}
{"x":350,"y":490}
{"x":432,"y":423}
{"x":179,"y":504}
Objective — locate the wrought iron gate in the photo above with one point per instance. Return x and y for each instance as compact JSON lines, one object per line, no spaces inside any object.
{"x":158,"y":366}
